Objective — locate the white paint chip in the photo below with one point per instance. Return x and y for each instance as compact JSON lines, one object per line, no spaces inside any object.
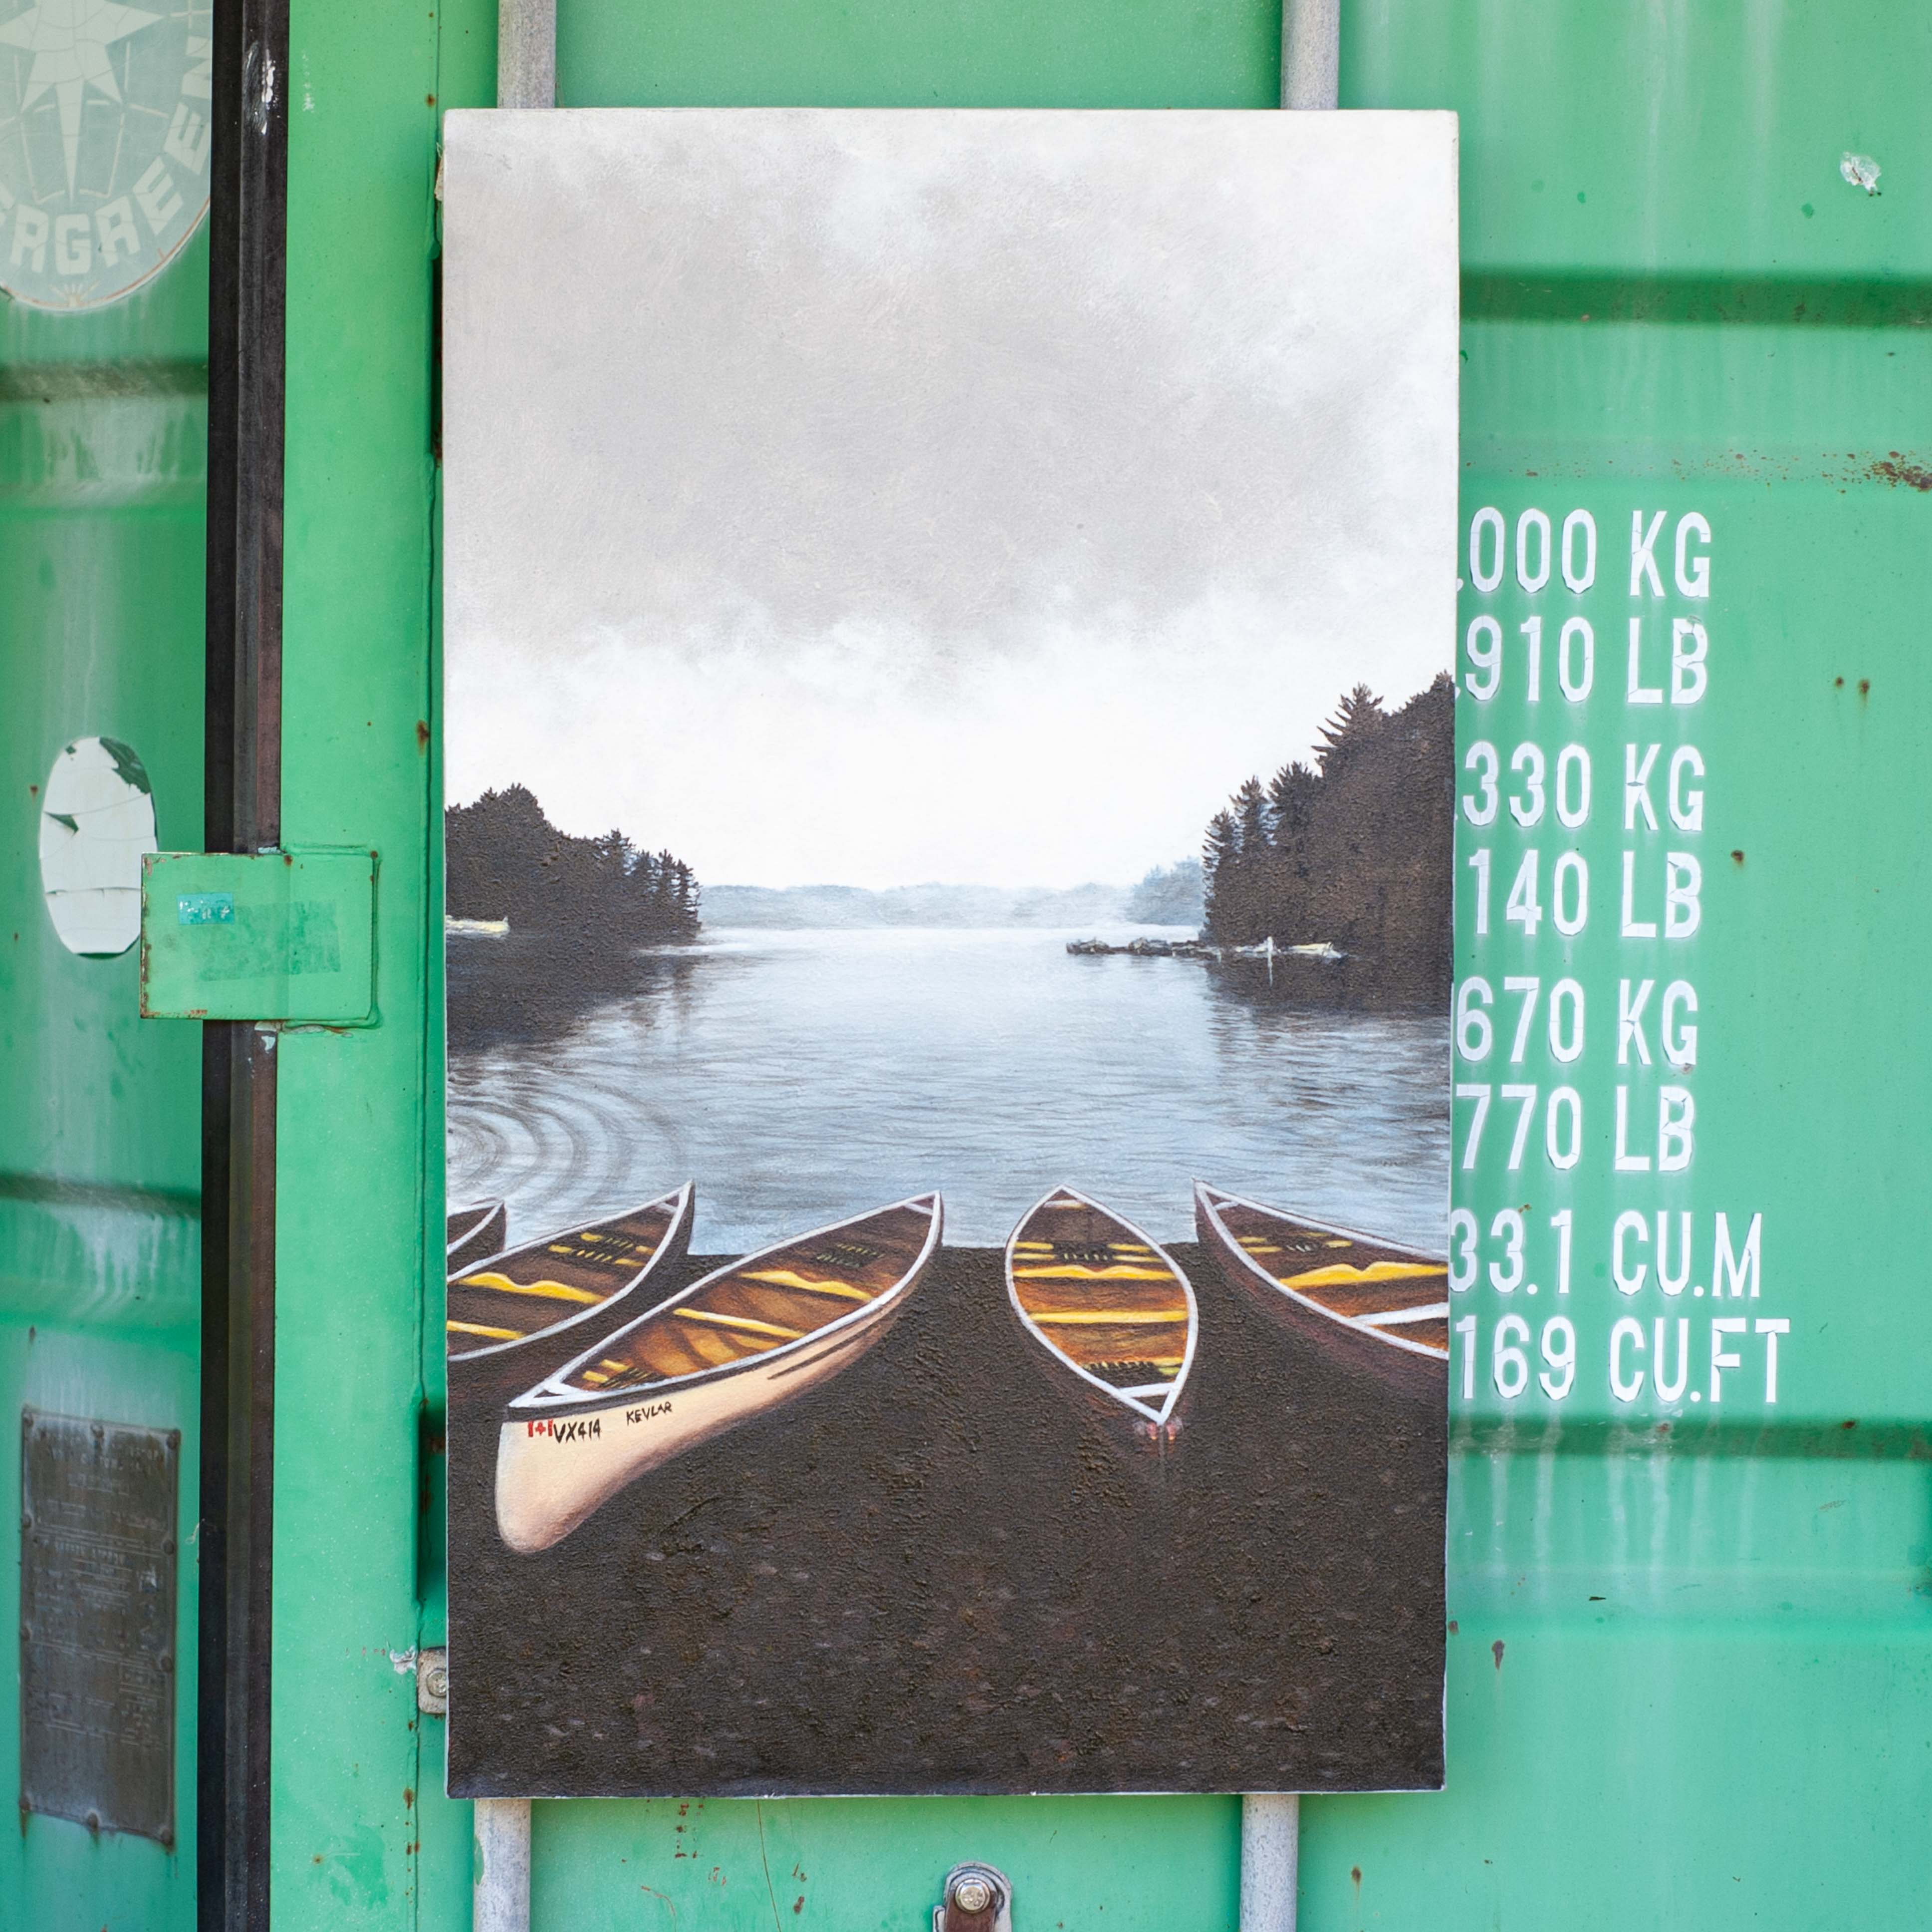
{"x":97,"y":821}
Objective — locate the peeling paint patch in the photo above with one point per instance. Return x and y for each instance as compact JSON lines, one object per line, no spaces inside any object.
{"x":97,"y":822}
{"x":357,"y":1871}
{"x":1860,"y":171}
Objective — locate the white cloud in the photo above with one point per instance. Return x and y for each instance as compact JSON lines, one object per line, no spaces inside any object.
{"x":881,"y":497}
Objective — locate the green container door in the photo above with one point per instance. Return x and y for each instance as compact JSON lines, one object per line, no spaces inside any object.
{"x":1689,"y":1679}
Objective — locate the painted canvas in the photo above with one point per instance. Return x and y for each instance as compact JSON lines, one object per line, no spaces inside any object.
{"x":948,"y":879}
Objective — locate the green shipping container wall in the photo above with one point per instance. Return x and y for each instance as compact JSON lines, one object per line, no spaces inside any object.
{"x":1688,"y":1664}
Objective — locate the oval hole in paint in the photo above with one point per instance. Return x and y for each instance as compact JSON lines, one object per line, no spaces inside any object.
{"x":96,"y":821}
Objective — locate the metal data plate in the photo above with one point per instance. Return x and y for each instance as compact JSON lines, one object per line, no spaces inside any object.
{"x":98,"y":1613}
{"x":258,"y":936}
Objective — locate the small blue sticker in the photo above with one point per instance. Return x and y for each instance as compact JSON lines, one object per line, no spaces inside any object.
{"x":206,"y":908}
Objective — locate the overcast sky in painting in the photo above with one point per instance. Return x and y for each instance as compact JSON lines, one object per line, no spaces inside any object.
{"x":878,"y":498}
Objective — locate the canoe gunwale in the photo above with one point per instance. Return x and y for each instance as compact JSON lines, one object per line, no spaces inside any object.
{"x":1206,"y":1198}
{"x":474,"y":1220}
{"x":676,"y":1238}
{"x":550,"y":1399}
{"x":1157,"y":1418}
{"x":477,"y":1214}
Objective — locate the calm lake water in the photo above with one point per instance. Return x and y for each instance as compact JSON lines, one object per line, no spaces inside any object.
{"x":801,"y":1077}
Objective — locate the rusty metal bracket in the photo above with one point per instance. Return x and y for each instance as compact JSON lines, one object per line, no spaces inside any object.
{"x":977,"y":1898}
{"x":286,"y":938}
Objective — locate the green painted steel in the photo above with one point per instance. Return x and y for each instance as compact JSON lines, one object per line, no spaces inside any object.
{"x":353,"y":1185}
{"x":890,"y":53}
{"x":1688,"y":1672}
{"x":103,"y":433}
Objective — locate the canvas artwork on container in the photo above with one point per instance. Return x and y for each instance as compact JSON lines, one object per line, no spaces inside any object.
{"x":948,"y":750}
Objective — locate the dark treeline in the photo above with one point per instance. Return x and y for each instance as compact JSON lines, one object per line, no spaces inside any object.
{"x":504,"y":860}
{"x":1356,"y":850}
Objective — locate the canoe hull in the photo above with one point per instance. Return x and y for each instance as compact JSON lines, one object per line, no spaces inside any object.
{"x":1327,"y":1341}
{"x":554,"y":1472}
{"x":1124,"y":1424}
{"x":487,"y":1378}
{"x":563,"y":1451}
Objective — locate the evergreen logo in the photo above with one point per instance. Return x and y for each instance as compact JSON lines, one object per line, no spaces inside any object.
{"x":104,"y":145}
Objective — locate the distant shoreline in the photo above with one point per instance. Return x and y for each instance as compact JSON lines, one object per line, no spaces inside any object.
{"x":832,"y":907}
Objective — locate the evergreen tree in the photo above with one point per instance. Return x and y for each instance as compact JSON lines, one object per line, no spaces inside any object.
{"x":1291,"y":795}
{"x":1251,"y":819}
{"x":1357,"y":723}
{"x":1220,"y":853}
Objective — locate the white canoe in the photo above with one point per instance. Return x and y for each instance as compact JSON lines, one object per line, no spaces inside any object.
{"x":754,"y":1334}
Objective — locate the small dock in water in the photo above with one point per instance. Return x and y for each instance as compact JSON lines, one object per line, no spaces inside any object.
{"x":1321,"y":951}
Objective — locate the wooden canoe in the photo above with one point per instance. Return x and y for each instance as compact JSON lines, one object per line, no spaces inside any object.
{"x":1108,"y":1307}
{"x":749,"y":1337}
{"x":518,"y":1317}
{"x":474,"y":1233}
{"x":1355,"y":1297}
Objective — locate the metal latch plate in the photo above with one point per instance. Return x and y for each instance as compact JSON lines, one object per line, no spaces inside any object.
{"x":258,"y":936}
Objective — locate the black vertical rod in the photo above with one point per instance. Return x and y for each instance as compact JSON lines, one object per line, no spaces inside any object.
{"x":246,"y":309}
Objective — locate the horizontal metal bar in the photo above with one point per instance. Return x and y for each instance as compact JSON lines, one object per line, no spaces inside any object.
{"x":1787,"y":302}
{"x":1851,"y":1439}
